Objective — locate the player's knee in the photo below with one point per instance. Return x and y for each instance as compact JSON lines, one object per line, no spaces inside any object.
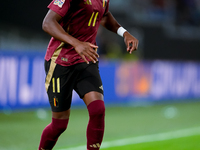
{"x":96,"y":109}
{"x":59,"y":125}
{"x":61,"y":129}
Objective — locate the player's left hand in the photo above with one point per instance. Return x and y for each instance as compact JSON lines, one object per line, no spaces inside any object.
{"x":131,"y":42}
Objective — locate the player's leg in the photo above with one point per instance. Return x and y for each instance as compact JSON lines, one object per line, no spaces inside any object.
{"x":59,"y":89}
{"x":90,"y":89}
{"x":95,"y":129}
{"x":52,"y":131}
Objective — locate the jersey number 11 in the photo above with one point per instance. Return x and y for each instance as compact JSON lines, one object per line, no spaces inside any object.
{"x":94,"y":15}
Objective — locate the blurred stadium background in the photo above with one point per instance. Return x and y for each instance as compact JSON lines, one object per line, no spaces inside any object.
{"x":152,"y":96}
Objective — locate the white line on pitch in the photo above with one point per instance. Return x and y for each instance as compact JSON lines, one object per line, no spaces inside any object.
{"x":146,"y":138}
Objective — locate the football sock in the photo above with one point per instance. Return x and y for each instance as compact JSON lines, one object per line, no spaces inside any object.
{"x":52,"y":132}
{"x":95,"y":128}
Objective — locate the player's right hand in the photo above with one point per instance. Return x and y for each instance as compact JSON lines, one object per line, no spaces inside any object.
{"x":86,"y":49}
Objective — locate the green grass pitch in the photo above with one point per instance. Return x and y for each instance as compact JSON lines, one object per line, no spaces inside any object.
{"x":175,"y":144}
{"x":22,"y":130}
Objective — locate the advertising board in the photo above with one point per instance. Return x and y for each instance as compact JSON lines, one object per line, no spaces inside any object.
{"x":22,"y":79}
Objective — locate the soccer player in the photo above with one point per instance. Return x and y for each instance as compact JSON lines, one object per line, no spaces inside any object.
{"x":71,"y":63}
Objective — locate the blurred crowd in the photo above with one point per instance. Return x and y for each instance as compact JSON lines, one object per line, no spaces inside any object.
{"x":180,"y":12}
{"x":171,"y":13}
{"x":188,"y":12}
{"x":177,"y":18}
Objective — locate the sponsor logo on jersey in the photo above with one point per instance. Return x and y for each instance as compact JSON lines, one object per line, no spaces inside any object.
{"x":59,"y":3}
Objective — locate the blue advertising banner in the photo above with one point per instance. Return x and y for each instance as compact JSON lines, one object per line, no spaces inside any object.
{"x":22,"y":79}
{"x":157,"y":81}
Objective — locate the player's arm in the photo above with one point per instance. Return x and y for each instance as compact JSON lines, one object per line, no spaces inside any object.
{"x":109,"y":22}
{"x":52,"y":27}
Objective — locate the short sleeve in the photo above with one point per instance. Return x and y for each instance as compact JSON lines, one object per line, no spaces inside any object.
{"x":60,"y":6}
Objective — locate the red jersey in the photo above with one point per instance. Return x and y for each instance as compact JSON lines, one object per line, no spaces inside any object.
{"x":80,"y":19}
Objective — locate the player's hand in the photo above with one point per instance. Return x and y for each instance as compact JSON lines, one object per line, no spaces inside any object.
{"x":131,"y":42}
{"x":86,"y":49}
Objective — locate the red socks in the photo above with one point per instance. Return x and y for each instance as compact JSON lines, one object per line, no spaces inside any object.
{"x":95,"y":129}
{"x":52,"y":132}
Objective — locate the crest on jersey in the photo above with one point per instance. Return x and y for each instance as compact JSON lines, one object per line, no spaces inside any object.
{"x":59,"y":3}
